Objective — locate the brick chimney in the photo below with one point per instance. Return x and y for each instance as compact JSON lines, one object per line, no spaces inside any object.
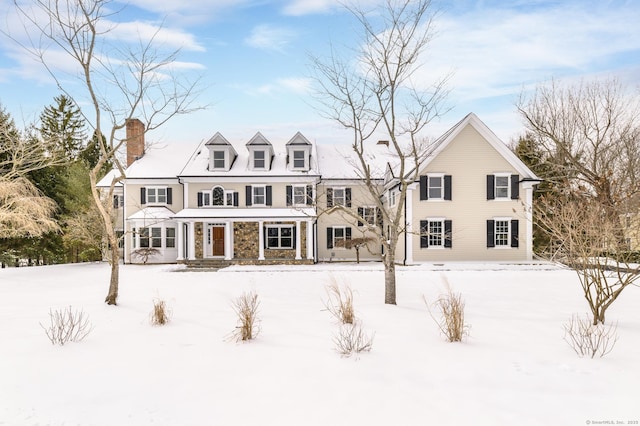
{"x":135,"y":140}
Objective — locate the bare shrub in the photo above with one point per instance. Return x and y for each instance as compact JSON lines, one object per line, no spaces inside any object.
{"x":451,"y":322}
{"x":246,"y":308}
{"x":351,"y":338}
{"x":161,"y":313}
{"x":587,"y":339}
{"x":144,"y":254}
{"x":67,"y":326}
{"x":340,"y":302}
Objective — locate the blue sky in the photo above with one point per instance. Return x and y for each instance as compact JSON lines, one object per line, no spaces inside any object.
{"x":252,"y":56}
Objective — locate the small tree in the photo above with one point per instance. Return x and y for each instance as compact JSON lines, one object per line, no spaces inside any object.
{"x":356,"y":244}
{"x":373,"y":92}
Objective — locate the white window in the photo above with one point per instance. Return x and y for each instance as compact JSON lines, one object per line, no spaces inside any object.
{"x":118,"y":201}
{"x":339,"y":197}
{"x":502,"y":186}
{"x":501,"y":233}
{"x":340,"y":235}
{"x":144,"y":237}
{"x":299,"y":194}
{"x":218,"y":160}
{"x":206,"y":198}
{"x":280,"y":237}
{"x":258,"y":195}
{"x":156,"y":195}
{"x":299,"y":160}
{"x":218,"y":196}
{"x":170,"y":238}
{"x":259,"y":159}
{"x":392,"y":198}
{"x":368,"y":214}
{"x":435,"y":187}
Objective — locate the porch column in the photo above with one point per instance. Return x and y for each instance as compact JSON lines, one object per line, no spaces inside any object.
{"x":309,"y":239}
{"x":261,"y":240}
{"x":408,"y":234}
{"x":227,"y":241}
{"x":298,"y":248}
{"x":191,"y":254}
{"x":179,"y":241}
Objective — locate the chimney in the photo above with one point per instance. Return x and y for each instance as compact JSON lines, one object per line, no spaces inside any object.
{"x":135,"y":140}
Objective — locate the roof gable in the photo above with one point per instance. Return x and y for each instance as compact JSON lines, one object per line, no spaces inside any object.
{"x":298,"y":139}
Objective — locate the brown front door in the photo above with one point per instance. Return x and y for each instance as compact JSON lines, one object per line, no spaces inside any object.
{"x":217,"y":241}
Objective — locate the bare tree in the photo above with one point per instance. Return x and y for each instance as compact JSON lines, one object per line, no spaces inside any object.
{"x":375,"y":94}
{"x":119,"y":82}
{"x":24,"y":210}
{"x":588,"y":136}
{"x":357,"y":244}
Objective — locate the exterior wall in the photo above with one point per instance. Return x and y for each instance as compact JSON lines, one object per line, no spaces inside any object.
{"x":360,"y":197}
{"x":468,"y":159}
{"x":278,"y":191}
{"x":132,"y":197}
{"x":245,"y":237}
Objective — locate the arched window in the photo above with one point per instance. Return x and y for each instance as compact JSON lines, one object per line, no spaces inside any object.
{"x":218,"y":196}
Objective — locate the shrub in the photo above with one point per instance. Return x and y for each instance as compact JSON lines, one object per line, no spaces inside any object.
{"x":351,"y":338}
{"x":246,"y":308}
{"x":451,"y":322}
{"x":340,"y":302}
{"x":67,"y":326}
{"x":588,"y":339}
{"x":161,"y":314}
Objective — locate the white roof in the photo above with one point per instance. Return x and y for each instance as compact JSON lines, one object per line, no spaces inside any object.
{"x":248,"y":213}
{"x":152,"y":214}
{"x":161,"y":161}
{"x":341,"y":161}
{"x":198,"y":163}
{"x":105,"y":182}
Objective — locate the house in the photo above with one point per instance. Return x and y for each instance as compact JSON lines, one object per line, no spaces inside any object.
{"x":274,"y":201}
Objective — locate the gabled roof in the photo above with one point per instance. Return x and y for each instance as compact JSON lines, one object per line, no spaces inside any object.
{"x":298,"y":139}
{"x":472,"y":120}
{"x":258,"y":140}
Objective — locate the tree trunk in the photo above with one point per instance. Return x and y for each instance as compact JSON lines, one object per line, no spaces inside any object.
{"x":389,"y":280}
{"x":112,"y":296}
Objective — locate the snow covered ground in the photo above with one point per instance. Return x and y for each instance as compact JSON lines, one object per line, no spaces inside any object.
{"x":514,"y":369}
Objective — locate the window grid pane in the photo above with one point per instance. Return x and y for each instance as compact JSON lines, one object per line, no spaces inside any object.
{"x":435,"y":187}
{"x":338,"y":197}
{"x":218,"y":159}
{"x":435,"y":233}
{"x":170,"y":240}
{"x":502,"y":187}
{"x":258,"y":159}
{"x":298,"y":159}
{"x":502,"y":233}
{"x":258,"y":195}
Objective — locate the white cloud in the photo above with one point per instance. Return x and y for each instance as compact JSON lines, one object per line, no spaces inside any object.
{"x":269,"y":37}
{"x":145,"y":31}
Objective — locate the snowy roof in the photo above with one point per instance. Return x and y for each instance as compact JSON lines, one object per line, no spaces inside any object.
{"x":341,"y":162}
{"x":161,"y":161}
{"x":249,"y":213}
{"x":105,"y":182}
{"x":198,"y":164}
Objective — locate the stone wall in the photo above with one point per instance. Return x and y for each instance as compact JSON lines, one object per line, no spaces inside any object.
{"x":199,"y":240}
{"x":245,"y":238}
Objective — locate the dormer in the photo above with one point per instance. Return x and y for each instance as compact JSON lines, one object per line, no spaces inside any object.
{"x":260,"y":153}
{"x":299,"y":153}
{"x":221,"y":153}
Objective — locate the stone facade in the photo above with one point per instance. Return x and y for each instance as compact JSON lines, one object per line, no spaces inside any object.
{"x":198,"y":241}
{"x":245,"y":238}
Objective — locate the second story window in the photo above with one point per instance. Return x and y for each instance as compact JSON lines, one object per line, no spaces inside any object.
{"x":155,"y":195}
{"x":502,"y":187}
{"x":259,"y":195}
{"x":259,"y":159}
{"x":435,"y":187}
{"x":338,"y":196}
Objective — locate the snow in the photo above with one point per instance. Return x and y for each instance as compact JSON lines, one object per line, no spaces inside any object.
{"x":514,"y":369}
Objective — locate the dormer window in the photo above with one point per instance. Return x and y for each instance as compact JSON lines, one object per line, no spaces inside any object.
{"x":218,"y":160}
{"x":258,"y":159}
{"x":299,"y":159}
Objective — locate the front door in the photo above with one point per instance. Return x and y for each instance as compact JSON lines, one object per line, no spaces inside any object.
{"x":217,"y":240}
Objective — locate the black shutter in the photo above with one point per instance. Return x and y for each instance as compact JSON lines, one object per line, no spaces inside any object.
{"x":347,"y":196}
{"x":309,"y":195}
{"x":360,"y":214}
{"x":235,"y":198}
{"x":514,"y":233}
{"x":447,"y":187}
{"x":249,"y":194}
{"x":379,"y":218}
{"x":491,"y":242}
{"x":199,"y":199}
{"x":115,"y":201}
{"x":347,"y":233}
{"x":143,"y":195}
{"x":269,"y":200}
{"x":289,"y":195}
{"x":293,"y":241}
{"x":491,"y":186}
{"x":265,"y":237}
{"x":424,"y":236}
{"x":515,"y":187}
{"x":329,"y":237}
{"x":448,"y":239}
{"x":169,"y":195}
{"x":329,"y":197}
{"x":424,"y":188}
